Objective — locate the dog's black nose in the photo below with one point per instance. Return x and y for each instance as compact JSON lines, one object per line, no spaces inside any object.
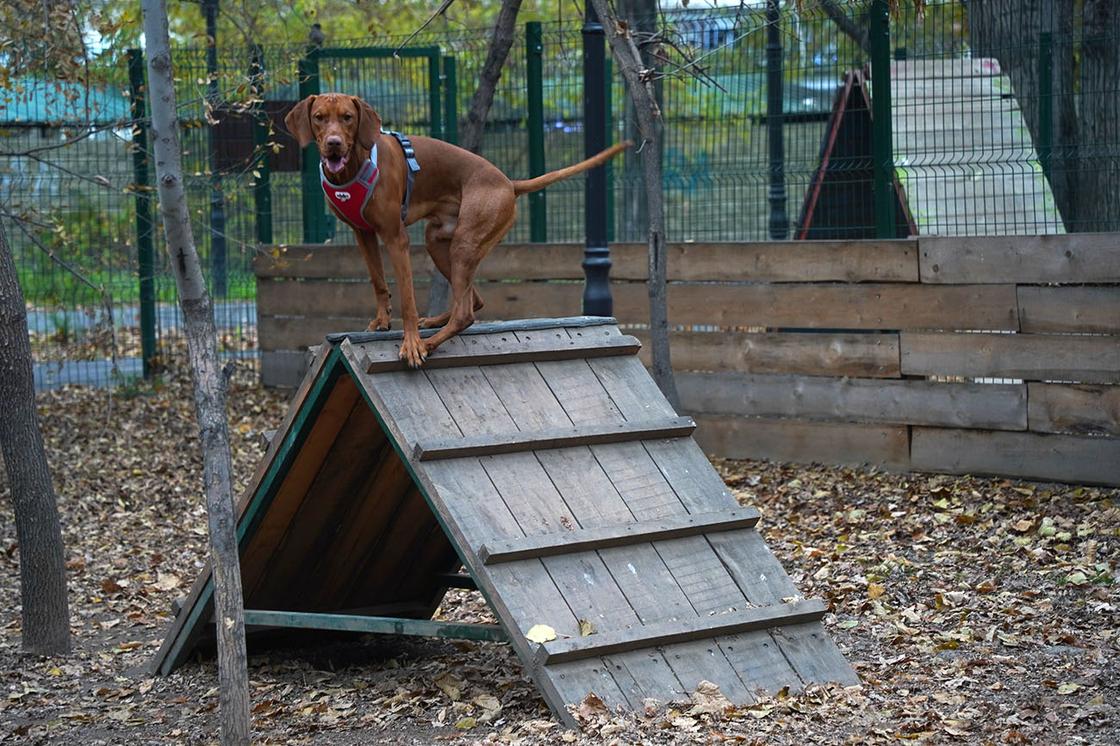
{"x":334,"y":141}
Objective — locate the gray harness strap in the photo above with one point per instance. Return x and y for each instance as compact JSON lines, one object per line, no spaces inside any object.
{"x":413,"y":167}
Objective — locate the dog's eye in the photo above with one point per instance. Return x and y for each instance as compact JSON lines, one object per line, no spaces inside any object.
{"x":347,"y":117}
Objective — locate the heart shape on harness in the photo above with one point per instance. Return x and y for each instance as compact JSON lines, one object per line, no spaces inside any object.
{"x":342,"y":196}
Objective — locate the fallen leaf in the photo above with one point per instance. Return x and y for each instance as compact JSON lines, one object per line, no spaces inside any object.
{"x":540,"y":633}
{"x":586,"y":628}
{"x":874,"y":590}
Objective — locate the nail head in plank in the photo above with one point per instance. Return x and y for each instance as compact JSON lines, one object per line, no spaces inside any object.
{"x":374,"y":624}
{"x":490,"y":445}
{"x":485,"y":351}
{"x":589,"y":539}
{"x":681,"y":630}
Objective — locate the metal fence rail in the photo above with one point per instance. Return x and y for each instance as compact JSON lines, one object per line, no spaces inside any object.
{"x":999,"y":124}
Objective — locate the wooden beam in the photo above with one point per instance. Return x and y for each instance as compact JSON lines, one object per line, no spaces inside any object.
{"x":458,"y":580}
{"x":567,"y":437}
{"x":374,"y":624}
{"x":488,"y":351}
{"x":603,"y":537}
{"x":680,"y":630}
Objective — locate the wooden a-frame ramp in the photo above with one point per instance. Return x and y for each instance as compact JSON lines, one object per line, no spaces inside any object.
{"x":540,"y":456}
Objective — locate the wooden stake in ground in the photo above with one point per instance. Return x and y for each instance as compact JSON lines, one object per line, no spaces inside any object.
{"x":209,"y":382}
{"x":42,"y":564}
{"x":639,"y":86}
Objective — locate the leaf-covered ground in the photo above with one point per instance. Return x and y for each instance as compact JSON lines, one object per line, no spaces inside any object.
{"x":974,"y":610}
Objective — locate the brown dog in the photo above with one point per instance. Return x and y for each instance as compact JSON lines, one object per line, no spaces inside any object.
{"x":469,"y":205}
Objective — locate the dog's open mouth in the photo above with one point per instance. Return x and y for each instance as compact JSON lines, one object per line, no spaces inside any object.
{"x":334,"y":162}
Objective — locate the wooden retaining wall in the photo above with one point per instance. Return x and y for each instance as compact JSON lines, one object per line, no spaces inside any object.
{"x":986,"y":355}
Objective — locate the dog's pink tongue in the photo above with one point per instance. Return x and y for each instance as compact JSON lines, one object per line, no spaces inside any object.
{"x":334,"y":165}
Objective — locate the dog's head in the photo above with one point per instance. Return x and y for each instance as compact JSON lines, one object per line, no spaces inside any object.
{"x":337,"y":123}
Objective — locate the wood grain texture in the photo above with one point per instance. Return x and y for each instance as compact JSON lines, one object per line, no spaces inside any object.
{"x":812,"y":354}
{"x":1081,"y":410}
{"x":1057,"y":458}
{"x":1034,"y":357}
{"x":804,"y":442}
{"x":998,"y":407}
{"x":1080,"y":310}
{"x":1061,"y":259}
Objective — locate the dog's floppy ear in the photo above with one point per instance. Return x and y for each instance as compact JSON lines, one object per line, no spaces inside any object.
{"x":369,"y":123}
{"x":298,"y":122}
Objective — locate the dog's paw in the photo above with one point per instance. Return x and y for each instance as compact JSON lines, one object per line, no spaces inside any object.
{"x":431,"y":322}
{"x":380,"y":324}
{"x":413,"y":351}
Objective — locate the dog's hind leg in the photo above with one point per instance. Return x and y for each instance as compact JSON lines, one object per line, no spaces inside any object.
{"x":438,"y":242}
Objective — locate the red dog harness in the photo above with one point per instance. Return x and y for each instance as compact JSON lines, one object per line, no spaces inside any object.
{"x":350,"y":199}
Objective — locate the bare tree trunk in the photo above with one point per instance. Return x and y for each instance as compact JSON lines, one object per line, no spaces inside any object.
{"x":42,"y":564}
{"x":650,"y":124}
{"x":209,"y":382}
{"x":642,"y":16}
{"x":501,"y":39}
{"x":1100,"y":116}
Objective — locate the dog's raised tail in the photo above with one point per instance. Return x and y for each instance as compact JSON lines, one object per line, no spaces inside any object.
{"x":525,"y":186}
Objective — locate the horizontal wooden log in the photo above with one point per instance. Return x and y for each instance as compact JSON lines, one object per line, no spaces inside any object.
{"x":458,"y":580}
{"x":726,"y":436}
{"x":1061,"y":258}
{"x":604,"y":537}
{"x":284,"y":369}
{"x":812,"y":354}
{"x":568,"y":437}
{"x":1083,"y":410}
{"x":1034,"y":357}
{"x":777,"y":261}
{"x":1057,"y":458}
{"x":680,"y":630}
{"x":815,"y":306}
{"x":1081,"y":310}
{"x":482,"y":350}
{"x":997,"y":407}
{"x":374,"y":625}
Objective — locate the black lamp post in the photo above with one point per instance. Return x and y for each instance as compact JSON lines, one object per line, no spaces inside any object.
{"x":779,"y":224}
{"x":596,"y":254}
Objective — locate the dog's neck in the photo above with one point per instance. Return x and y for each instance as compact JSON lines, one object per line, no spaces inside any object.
{"x":354,"y":164}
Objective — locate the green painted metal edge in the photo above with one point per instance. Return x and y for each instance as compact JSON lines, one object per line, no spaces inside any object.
{"x":375,"y":625}
{"x":250,"y":518}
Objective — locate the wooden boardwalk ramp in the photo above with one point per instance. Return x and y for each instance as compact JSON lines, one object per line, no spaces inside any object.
{"x":541,"y":457}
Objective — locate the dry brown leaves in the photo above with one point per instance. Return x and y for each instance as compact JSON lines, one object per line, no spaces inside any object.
{"x":975,"y":611}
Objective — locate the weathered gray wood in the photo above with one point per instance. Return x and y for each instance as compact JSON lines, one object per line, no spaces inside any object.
{"x":804,"y":442}
{"x":1065,"y":258}
{"x":488,"y":350}
{"x":283,"y":369}
{"x":514,"y":442}
{"x":1082,"y":310}
{"x":1058,"y":458}
{"x":994,"y":407}
{"x":667,"y":633}
{"x":374,"y":625}
{"x":1034,"y":357}
{"x":623,"y":534}
{"x":1082,"y":410}
{"x":812,"y":354}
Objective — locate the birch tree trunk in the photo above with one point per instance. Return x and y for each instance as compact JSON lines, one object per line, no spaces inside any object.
{"x":209,"y":382}
{"x":648,"y":113}
{"x":42,"y":564}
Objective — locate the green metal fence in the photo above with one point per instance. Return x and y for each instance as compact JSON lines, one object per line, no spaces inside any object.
{"x":1003,"y":118}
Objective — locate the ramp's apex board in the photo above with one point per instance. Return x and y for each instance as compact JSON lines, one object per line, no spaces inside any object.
{"x":540,"y":456}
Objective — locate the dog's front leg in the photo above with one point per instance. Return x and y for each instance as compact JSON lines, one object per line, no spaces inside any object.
{"x":367,"y":242}
{"x":413,"y":350}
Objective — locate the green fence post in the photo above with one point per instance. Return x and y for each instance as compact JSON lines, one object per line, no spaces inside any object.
{"x":435,"y":95}
{"x":145,"y":250}
{"x":1045,"y":100}
{"x":314,"y":207}
{"x":608,"y":138}
{"x":534,"y":78}
{"x":450,"y":101}
{"x":882,"y":148}
{"x":262,"y":186}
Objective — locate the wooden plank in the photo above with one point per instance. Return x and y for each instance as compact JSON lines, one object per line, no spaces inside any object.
{"x":1057,"y":458}
{"x":1082,"y":410}
{"x":804,"y":442}
{"x":994,"y":407}
{"x":835,"y":306}
{"x":458,"y":580}
{"x":667,"y":633}
{"x":515,"y":442}
{"x":776,"y":261}
{"x":283,"y":369}
{"x":375,"y":625}
{"x":300,"y":332}
{"x":618,"y":535}
{"x":1080,"y":310}
{"x":1067,"y":258}
{"x":811,"y":354}
{"x":488,"y":350}
{"x":1035,"y":357}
